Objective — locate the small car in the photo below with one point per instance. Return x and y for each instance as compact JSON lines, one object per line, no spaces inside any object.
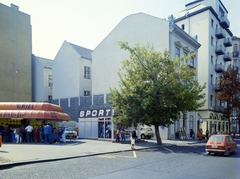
{"x":70,"y":133}
{"x":221,"y":143}
{"x":146,"y":132}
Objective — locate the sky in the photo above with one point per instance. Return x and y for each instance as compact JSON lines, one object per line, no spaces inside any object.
{"x":87,"y":22}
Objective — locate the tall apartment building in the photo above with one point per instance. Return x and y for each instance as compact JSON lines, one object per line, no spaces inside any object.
{"x":15,"y":55}
{"x":209,"y":20}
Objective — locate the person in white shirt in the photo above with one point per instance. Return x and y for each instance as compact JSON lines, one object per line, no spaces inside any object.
{"x":29,"y":129}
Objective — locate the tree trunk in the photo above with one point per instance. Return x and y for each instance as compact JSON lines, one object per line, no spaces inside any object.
{"x":157,"y":133}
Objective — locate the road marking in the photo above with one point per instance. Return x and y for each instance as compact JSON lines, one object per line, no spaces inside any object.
{"x":167,"y":149}
{"x":134,"y":154}
{"x":115,"y":156}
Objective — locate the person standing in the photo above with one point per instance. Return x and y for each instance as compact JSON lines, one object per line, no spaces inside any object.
{"x":207,"y":134}
{"x":41,"y":133}
{"x":123,"y":133}
{"x":47,"y":132}
{"x":17,"y":134}
{"x":7,"y":133}
{"x":36,"y":133}
{"x":29,"y":129}
{"x":133,"y":138}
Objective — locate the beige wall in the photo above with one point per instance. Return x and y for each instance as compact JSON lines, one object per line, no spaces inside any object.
{"x":15,"y":54}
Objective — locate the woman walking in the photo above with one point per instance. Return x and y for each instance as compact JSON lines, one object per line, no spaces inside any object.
{"x":133,"y":138}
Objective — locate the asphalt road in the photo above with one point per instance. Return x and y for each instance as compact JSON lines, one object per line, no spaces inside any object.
{"x":169,"y":162}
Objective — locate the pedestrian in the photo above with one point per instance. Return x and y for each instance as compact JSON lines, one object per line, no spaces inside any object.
{"x":7,"y":133}
{"x":123,"y":133}
{"x":36,"y":133}
{"x":41,"y":134}
{"x":133,"y":139}
{"x":47,"y":132}
{"x":117,"y":134}
{"x":17,"y":134}
{"x":192,"y":135}
{"x":21,"y":134}
{"x":207,"y":134}
{"x":29,"y":129}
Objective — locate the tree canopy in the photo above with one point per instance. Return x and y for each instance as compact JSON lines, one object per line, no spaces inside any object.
{"x":229,"y":84}
{"x":154,"y":89}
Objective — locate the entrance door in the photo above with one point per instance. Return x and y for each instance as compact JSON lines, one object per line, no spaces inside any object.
{"x":104,"y":128}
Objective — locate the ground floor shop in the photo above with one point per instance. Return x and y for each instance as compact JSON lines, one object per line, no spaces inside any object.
{"x":18,"y":115}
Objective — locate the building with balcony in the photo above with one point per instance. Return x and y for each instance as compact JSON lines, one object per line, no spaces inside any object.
{"x":15,"y":55}
{"x":209,"y":20}
{"x":142,"y":29}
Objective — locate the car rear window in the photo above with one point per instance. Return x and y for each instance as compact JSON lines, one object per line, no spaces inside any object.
{"x":217,"y":138}
{"x":69,"y":129}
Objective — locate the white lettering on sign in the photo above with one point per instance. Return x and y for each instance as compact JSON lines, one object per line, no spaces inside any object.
{"x":95,"y":113}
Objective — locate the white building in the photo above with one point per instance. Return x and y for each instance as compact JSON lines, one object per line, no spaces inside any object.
{"x":41,"y":79}
{"x":135,"y":29}
{"x":71,"y":72}
{"x":209,"y":20}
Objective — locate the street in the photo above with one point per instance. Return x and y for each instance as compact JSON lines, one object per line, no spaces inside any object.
{"x":170,"y":162}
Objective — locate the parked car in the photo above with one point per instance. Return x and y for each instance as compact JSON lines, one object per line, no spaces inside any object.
{"x":70,"y":133}
{"x":146,"y":132}
{"x":221,"y":143}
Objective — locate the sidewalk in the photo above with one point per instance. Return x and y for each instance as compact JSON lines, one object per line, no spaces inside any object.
{"x":24,"y":153}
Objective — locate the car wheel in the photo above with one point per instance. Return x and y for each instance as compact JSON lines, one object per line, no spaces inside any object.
{"x":235,"y":150}
{"x":149,"y":137}
{"x":142,"y":136}
{"x":227,"y":152}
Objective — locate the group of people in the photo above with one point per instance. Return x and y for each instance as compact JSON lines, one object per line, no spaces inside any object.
{"x":38,"y":134}
{"x":121,"y":136}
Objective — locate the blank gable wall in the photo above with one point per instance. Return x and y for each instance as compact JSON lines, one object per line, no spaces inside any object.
{"x":135,"y":29}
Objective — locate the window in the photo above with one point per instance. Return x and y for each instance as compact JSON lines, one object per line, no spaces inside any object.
{"x":49,"y":97}
{"x":183,"y":26}
{"x":211,"y":59}
{"x":221,"y":12}
{"x":86,"y":72}
{"x":211,"y":40}
{"x":192,"y":62}
{"x":235,"y":47}
{"x":211,"y":100}
{"x":50,"y":81}
{"x":177,"y":53}
{"x":211,"y":79}
{"x":86,"y":93}
{"x":212,"y":23}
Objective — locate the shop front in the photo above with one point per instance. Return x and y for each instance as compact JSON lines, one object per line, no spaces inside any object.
{"x":96,"y":124}
{"x":20,"y":114}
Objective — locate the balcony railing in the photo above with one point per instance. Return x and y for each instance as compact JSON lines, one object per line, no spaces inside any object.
{"x":227,"y":42}
{"x":224,"y":22}
{"x":236,"y":68}
{"x":236,"y":54}
{"x":219,"y":68}
{"x":227,"y":57}
{"x":220,"y":109}
{"x":219,"y":50}
{"x":220,"y":33}
{"x":217,"y":88}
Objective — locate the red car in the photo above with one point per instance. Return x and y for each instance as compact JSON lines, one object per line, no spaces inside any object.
{"x":221,"y":143}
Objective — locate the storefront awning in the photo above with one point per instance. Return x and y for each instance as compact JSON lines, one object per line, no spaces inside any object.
{"x":43,"y":106}
{"x":34,"y":114}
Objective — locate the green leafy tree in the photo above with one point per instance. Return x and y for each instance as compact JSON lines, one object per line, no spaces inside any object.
{"x":154,"y":89}
{"x":229,"y":83}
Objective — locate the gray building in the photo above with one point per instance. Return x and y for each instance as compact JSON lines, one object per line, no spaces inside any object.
{"x":15,"y":55}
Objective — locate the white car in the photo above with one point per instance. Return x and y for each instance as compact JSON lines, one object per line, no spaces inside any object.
{"x":70,"y":133}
